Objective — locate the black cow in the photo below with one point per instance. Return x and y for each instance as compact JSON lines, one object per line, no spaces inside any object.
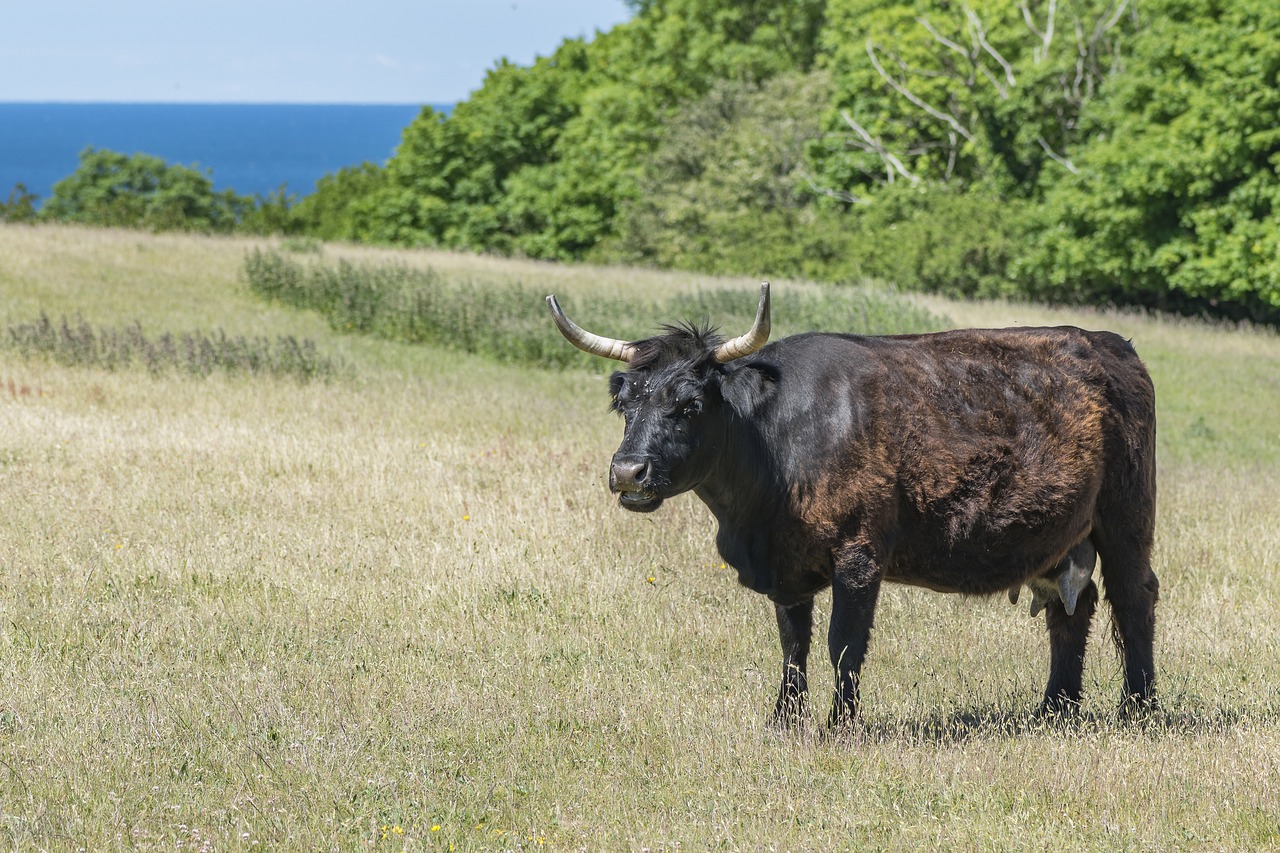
{"x":971,"y":461}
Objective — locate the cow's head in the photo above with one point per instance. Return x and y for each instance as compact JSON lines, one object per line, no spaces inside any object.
{"x":669,"y":396}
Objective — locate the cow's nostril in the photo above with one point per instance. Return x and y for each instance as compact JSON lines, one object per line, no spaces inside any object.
{"x":629,"y":473}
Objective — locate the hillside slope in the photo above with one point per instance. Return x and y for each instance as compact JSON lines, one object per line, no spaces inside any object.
{"x":397,"y":609}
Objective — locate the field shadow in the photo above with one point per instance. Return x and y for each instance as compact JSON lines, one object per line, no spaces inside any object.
{"x":965,"y":725}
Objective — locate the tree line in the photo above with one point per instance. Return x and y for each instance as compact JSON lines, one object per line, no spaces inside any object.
{"x":1092,"y":151}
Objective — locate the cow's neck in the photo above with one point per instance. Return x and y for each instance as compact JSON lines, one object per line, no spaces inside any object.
{"x":743,"y":493}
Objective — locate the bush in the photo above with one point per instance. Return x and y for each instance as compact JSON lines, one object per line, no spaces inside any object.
{"x":508,"y":321}
{"x":333,"y":211}
{"x":141,"y":191}
{"x":21,"y":206}
{"x":939,"y":240}
{"x":78,"y":344}
{"x":272,"y":214}
{"x":725,"y":191}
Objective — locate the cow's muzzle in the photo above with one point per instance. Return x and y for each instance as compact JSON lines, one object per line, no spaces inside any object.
{"x":631,"y":480}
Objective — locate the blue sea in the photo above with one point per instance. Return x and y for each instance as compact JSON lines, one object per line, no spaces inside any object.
{"x":249,"y":148}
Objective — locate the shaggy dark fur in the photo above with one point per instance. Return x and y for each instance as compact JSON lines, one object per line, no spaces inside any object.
{"x":967,"y":461}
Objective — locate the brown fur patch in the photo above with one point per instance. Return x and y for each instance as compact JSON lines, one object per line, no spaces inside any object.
{"x":982,"y":443}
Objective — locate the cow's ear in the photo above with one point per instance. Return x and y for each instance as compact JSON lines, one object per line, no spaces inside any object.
{"x":750,"y":385}
{"x":617,"y":382}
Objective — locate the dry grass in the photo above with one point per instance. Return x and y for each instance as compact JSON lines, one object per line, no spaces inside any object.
{"x":400,"y":611}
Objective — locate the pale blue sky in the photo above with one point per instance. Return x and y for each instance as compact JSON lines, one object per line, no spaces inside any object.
{"x":277,"y":51}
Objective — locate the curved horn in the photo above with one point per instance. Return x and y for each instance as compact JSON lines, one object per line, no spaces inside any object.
{"x":586,"y":341}
{"x":752,"y":340}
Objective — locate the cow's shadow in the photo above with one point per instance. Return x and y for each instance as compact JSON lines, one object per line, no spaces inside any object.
{"x":979,"y":723}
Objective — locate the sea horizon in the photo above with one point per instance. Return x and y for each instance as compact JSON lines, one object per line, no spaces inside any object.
{"x":251,"y":148}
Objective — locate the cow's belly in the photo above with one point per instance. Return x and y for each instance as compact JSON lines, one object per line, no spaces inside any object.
{"x":981,"y":568}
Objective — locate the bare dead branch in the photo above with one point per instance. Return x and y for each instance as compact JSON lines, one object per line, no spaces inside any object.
{"x":946,"y":42}
{"x":967,"y":58}
{"x":925,"y":148}
{"x":1046,"y":37}
{"x":1082,"y":54}
{"x":898,"y":87}
{"x":1089,"y":68}
{"x":979,"y":34}
{"x":892,"y":163}
{"x":1114,"y":19}
{"x":970,"y":56}
{"x":1065,"y":162}
{"x":841,"y":195}
{"x":1000,"y":88}
{"x":951,"y":155}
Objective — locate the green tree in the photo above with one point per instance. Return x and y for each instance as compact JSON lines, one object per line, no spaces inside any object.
{"x":272,"y":214}
{"x":727,"y":189}
{"x":141,"y":191}
{"x":984,"y":93}
{"x":1175,"y":206}
{"x":445,"y":182}
{"x":539,"y":159}
{"x":21,"y":206}
{"x":337,"y":208}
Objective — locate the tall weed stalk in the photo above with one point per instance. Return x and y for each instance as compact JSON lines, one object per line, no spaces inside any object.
{"x":79,"y":344}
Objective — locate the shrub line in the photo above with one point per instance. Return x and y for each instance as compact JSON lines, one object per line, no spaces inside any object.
{"x":196,"y":353}
{"x":508,"y":321}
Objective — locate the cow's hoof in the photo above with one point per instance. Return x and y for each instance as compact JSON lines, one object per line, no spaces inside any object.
{"x":790,"y":715}
{"x":1139,"y":709}
{"x":1059,"y":708}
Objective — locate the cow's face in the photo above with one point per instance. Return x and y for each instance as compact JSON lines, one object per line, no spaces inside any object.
{"x":670,"y":399}
{"x":674,"y":424}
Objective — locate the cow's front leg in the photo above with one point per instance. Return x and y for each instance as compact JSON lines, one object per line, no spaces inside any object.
{"x":795,"y":630}
{"x":855,"y":585}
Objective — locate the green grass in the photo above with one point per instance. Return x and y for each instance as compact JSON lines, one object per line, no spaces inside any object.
{"x":249,"y":613}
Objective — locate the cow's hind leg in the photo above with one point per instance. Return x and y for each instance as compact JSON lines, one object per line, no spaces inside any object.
{"x":1068,"y":636}
{"x":795,"y":630}
{"x":1132,"y":591}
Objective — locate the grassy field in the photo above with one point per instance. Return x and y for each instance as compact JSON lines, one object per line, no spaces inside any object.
{"x":396,"y":609}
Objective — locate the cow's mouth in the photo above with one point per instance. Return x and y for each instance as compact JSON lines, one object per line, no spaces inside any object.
{"x":639,"y":501}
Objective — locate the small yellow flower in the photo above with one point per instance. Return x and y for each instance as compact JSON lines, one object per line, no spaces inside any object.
{"x":466,"y":518}
{"x":397,"y":829}
{"x":651,"y":579}
{"x":435,"y":827}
